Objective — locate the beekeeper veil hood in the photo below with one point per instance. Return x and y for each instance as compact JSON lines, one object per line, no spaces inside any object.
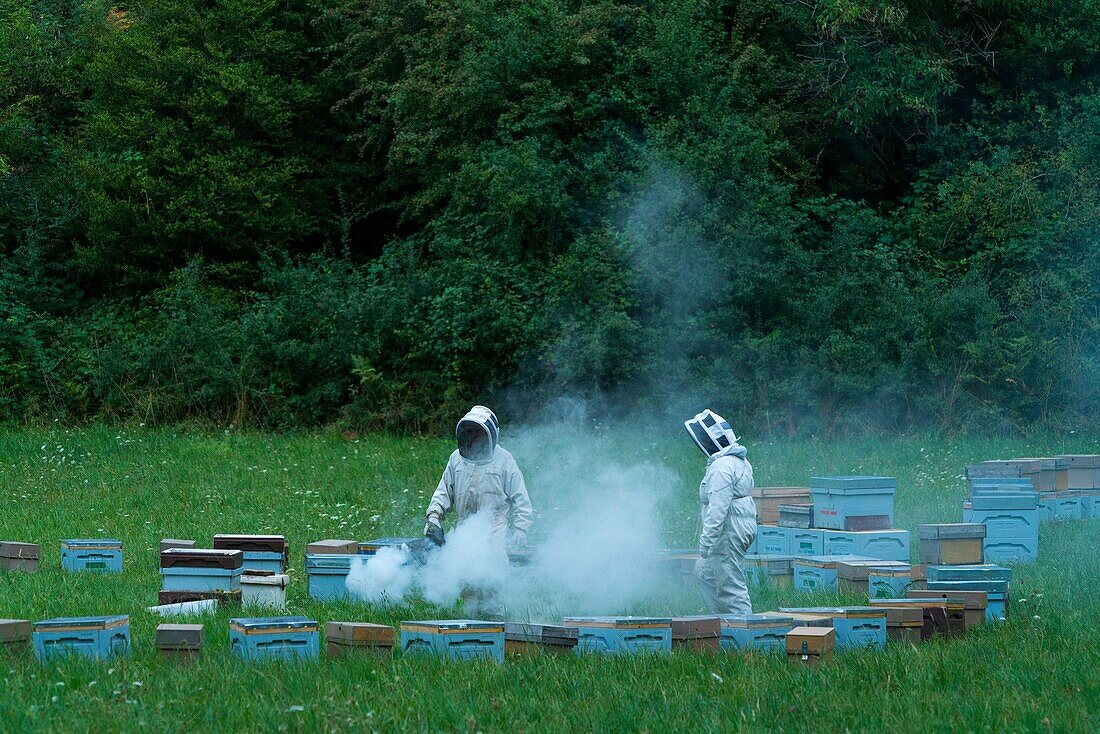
{"x":477,"y":434}
{"x":711,"y":433}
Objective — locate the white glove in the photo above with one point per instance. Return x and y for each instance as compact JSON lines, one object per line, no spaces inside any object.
{"x":519,"y":539}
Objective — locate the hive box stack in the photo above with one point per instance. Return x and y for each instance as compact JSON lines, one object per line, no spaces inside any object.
{"x":852,"y":575}
{"x":622,"y":635}
{"x":699,"y":634}
{"x":94,"y":637}
{"x":975,"y":603}
{"x":810,"y":645}
{"x":273,"y":638}
{"x":99,"y":555}
{"x":14,"y":635}
{"x":1083,"y":480}
{"x":349,"y":638}
{"x":769,"y":569}
{"x":951,"y":544}
{"x":768,"y":500}
{"x":994,"y":580}
{"x":764,"y":632}
{"x":16,"y":556}
{"x":1011,"y":520}
{"x":261,"y":552}
{"x":771,"y":539}
{"x":539,"y":639}
{"x":192,"y":574}
{"x":264,"y":589}
{"x":454,"y":639}
{"x":855,"y":626}
{"x":819,"y":572}
{"x":181,"y":641}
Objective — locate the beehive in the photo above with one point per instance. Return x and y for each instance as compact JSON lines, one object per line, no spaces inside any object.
{"x":346,"y":638}
{"x":886,"y":545}
{"x":93,"y":637}
{"x":810,"y":645}
{"x":622,"y":635}
{"x":103,"y":555}
{"x":768,"y":499}
{"x":539,"y":639}
{"x":273,"y":638}
{"x":15,"y":556}
{"x":855,"y":626}
{"x":853,"y":502}
{"x":952,"y":543}
{"x":763,"y":632}
{"x":456,"y":639}
{"x":698,"y":633}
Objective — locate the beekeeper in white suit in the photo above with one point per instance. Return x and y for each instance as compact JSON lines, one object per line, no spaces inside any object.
{"x":728,"y":512}
{"x":481,"y":476}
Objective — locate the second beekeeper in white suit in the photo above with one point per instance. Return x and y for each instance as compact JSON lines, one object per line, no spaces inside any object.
{"x":481,"y":476}
{"x":728,"y":515}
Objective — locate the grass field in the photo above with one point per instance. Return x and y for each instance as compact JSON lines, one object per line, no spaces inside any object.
{"x":1038,"y":672}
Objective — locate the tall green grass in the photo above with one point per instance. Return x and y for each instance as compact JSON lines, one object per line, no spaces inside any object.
{"x":1038,"y":672}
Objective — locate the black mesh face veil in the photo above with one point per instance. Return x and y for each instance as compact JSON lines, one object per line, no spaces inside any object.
{"x":702,"y":439}
{"x":475,"y":440}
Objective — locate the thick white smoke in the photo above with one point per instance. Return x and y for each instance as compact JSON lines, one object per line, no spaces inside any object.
{"x":595,"y":546}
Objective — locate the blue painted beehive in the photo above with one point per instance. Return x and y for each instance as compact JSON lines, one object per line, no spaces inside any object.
{"x":996,"y":594}
{"x":183,"y":578}
{"x":886,"y":545}
{"x":853,"y":503}
{"x":1090,"y":505}
{"x":273,"y":638}
{"x":621,"y":635}
{"x":102,"y":555}
{"x":806,"y":542}
{"x":889,"y":582}
{"x":327,"y":575}
{"x":855,"y":626}
{"x":261,"y":552}
{"x":454,"y":639}
{"x":1068,"y":507}
{"x":772,"y":540}
{"x":819,"y":572}
{"x":755,"y":632}
{"x":93,"y":637}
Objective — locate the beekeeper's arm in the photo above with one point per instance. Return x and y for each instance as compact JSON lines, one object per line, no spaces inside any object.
{"x":723,"y":487}
{"x":516,"y":492}
{"x":443,"y":498}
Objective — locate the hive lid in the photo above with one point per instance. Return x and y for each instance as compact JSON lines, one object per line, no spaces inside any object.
{"x":625,"y":622}
{"x":15,"y":549}
{"x":92,"y":544}
{"x":366,"y":633}
{"x":904,"y":616}
{"x":1082,"y":461}
{"x":14,"y":630}
{"x":179,"y":636}
{"x":277,"y":580}
{"x":333,"y":546}
{"x":696,"y":626}
{"x":201,"y":558}
{"x":542,"y":633}
{"x":1005,"y":501}
{"x":815,"y":640}
{"x":248,"y":624}
{"x":854,"y":482}
{"x":455,"y":625}
{"x":845,"y":612}
{"x":92,"y":623}
{"x":752,"y":621}
{"x":859,"y":570}
{"x":951,"y":531}
{"x":261,"y":543}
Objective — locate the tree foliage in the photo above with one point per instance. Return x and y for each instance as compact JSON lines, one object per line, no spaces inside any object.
{"x":823,"y":214}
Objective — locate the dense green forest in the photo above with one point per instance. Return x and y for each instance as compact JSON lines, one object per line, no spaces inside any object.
{"x":814,"y":215}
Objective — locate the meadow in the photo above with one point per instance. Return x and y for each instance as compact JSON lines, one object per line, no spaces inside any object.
{"x":1037,"y":672}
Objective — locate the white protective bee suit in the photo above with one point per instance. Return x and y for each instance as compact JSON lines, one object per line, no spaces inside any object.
{"x":483,"y":476}
{"x":728,"y":515}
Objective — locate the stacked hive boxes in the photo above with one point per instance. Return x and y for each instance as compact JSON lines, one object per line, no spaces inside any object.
{"x":851,"y":517}
{"x":191,"y":574}
{"x":855,"y":626}
{"x":328,"y":563}
{"x":992,"y":579}
{"x":1011,"y":520}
